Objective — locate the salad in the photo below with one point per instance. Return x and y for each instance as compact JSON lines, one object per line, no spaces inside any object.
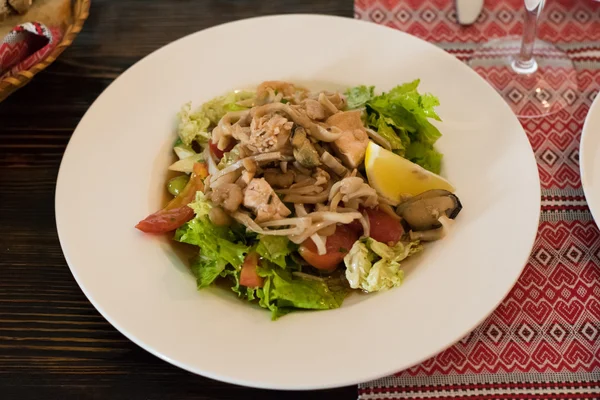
{"x":295,"y":198}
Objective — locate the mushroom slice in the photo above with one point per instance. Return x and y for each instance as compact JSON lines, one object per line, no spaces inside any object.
{"x":422,"y":212}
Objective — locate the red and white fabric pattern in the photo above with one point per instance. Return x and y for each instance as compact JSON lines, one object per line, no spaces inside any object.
{"x":543,"y":342}
{"x":25,"y":46}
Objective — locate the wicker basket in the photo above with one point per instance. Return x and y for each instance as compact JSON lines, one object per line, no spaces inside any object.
{"x":10,"y":84}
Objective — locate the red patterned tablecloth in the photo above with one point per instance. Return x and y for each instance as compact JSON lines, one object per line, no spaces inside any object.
{"x":543,"y":342}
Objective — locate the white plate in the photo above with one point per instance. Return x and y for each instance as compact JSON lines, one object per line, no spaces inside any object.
{"x":589,"y":159}
{"x":113,"y":174}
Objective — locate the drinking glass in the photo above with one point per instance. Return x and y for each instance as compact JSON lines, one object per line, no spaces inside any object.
{"x":535,"y":77}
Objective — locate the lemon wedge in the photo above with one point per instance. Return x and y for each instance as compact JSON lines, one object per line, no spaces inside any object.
{"x":393,"y":176}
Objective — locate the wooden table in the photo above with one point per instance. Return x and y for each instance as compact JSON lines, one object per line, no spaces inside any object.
{"x":53,"y":343}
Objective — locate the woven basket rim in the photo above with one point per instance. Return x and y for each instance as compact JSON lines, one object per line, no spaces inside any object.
{"x":11,"y":83}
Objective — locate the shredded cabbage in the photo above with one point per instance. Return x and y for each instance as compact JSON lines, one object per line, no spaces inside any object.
{"x":192,"y":126}
{"x":385,"y":273}
{"x":200,"y":205}
{"x":215,"y":109}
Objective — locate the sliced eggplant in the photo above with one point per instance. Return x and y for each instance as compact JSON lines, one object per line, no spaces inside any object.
{"x":422,"y":212}
{"x":304,"y":151}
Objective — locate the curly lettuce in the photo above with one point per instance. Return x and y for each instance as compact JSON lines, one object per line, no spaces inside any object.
{"x":274,"y":249}
{"x":192,"y":126}
{"x":214,"y":109}
{"x":222,"y":254}
{"x":200,"y":205}
{"x":219,"y":253}
{"x":402,"y":116}
{"x":358,"y":96}
{"x":374,"y":266}
{"x":283,"y":292}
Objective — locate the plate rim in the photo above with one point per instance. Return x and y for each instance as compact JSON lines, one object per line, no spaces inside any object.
{"x":251,"y":383}
{"x":588,"y":190}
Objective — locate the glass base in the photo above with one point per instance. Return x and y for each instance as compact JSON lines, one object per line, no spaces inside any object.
{"x":545,"y":87}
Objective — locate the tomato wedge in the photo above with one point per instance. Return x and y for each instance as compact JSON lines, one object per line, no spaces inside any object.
{"x":356,"y":226}
{"x":384,"y":228}
{"x":337,"y":245}
{"x":176,"y":213}
{"x":249,"y":276}
{"x":219,"y":153}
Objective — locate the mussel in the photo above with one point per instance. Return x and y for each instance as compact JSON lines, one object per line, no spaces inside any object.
{"x":304,"y":151}
{"x":428,"y":214}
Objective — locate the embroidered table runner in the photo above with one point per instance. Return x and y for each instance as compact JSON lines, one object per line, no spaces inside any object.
{"x":543,"y":342}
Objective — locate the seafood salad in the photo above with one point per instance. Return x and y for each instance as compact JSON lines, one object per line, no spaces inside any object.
{"x":294,"y":198}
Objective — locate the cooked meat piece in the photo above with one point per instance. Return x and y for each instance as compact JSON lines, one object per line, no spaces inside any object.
{"x":269,"y":133}
{"x":260,"y":197}
{"x":250,"y":170}
{"x":337,"y":99}
{"x":228,"y":195}
{"x":347,"y":121}
{"x":314,"y":109}
{"x":230,"y":125}
{"x":299,"y":117}
{"x":352,"y":145}
{"x":278,"y":179}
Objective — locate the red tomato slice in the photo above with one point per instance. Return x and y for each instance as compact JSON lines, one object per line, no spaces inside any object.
{"x":356,"y":226}
{"x":249,"y":276}
{"x":219,"y":153}
{"x":384,"y":228}
{"x":166,"y":220}
{"x":176,"y":213}
{"x":338,"y":245}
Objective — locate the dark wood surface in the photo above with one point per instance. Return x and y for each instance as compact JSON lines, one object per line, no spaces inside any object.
{"x":53,"y":343}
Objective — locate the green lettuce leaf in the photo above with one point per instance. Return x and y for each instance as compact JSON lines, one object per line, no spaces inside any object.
{"x":425,"y":155}
{"x":192,"y":126}
{"x":373,"y":266}
{"x":274,"y":249}
{"x":395,"y":139}
{"x":215,"y":242}
{"x":402,"y":117}
{"x":234,"y":275}
{"x":338,"y":285}
{"x":214,"y":109}
{"x":358,"y":96}
{"x":206,"y":270}
{"x":242,"y":234}
{"x":284,"y":292}
{"x":222,"y":253}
